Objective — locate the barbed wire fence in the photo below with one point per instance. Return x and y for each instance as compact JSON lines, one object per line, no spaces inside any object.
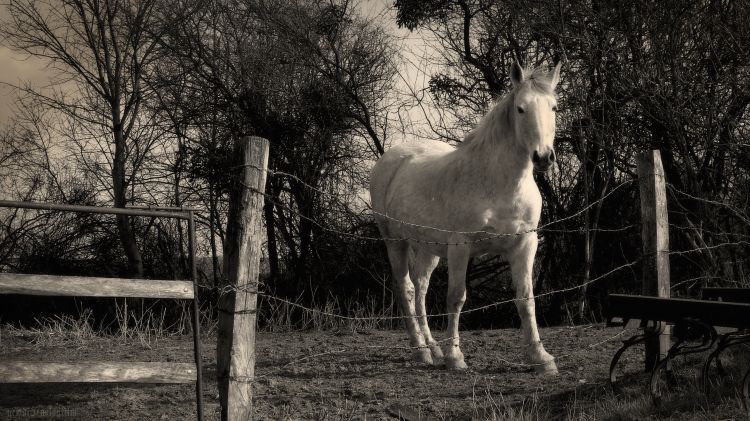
{"x":720,"y":240}
{"x":583,"y":351}
{"x":730,"y":239}
{"x":474,"y":237}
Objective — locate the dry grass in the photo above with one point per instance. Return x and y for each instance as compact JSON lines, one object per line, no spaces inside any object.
{"x":143,"y":325}
{"x":64,"y":330}
{"x":601,"y":404}
{"x":289,"y":316}
{"x":686,"y":402}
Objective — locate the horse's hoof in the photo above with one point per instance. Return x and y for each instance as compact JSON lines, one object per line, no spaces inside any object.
{"x":548,"y":368}
{"x":423,"y":355}
{"x":437,"y":353}
{"x":455,"y":363}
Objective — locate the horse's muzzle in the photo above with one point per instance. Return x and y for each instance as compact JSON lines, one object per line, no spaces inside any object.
{"x":542,"y":163}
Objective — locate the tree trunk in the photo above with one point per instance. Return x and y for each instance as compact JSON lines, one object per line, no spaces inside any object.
{"x":119,"y":184}
{"x":178,"y":202}
{"x":273,"y":252}
{"x":212,"y":223}
{"x":305,"y":206}
{"x":587,"y":240}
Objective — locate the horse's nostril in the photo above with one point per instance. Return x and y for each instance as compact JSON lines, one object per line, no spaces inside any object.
{"x":535,"y":158}
{"x":552,"y":156}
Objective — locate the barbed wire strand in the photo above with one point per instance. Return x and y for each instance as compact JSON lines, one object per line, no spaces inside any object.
{"x":694,"y":279}
{"x":707,"y":247}
{"x":401,"y":317}
{"x":707,"y":231}
{"x":734,"y":210}
{"x":582,"y":350}
{"x":487,"y":236}
{"x":671,"y":186}
{"x":436,"y":229}
{"x":253,"y":289}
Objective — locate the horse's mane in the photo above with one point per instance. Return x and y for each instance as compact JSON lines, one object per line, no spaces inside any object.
{"x":537,"y":79}
{"x":540,"y":80}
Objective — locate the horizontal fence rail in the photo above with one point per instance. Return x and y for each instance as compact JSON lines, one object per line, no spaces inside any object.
{"x":737,"y":295}
{"x":97,"y":372}
{"x":134,"y":211}
{"x":715,"y":313}
{"x":84,"y":286}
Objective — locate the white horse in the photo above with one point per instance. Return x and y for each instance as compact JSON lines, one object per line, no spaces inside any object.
{"x":434,"y":200}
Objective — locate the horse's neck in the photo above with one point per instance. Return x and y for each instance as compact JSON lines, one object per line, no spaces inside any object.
{"x":498,"y":159}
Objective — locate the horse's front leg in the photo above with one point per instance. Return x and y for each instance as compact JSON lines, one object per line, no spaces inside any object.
{"x":521,"y":265}
{"x":458,"y":259}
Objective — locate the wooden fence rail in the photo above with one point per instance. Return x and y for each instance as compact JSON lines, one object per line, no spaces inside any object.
{"x":120,"y":372}
{"x":83,"y":286}
{"x":97,"y":372}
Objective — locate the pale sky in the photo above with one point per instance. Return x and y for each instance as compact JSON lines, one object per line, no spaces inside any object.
{"x":17,"y":69}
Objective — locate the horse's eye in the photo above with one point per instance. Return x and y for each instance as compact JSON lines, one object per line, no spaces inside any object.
{"x":520,"y":110}
{"x":554,"y":108}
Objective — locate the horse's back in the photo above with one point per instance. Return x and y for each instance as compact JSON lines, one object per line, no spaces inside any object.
{"x":397,"y":159}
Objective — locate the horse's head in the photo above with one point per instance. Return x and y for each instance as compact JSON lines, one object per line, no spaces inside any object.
{"x":534,"y":106}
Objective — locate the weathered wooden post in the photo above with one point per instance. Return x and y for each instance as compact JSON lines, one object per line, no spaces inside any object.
{"x":235,"y":348}
{"x":655,"y":237}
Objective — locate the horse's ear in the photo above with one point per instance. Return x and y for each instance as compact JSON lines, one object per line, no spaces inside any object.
{"x":556,"y":75}
{"x":516,"y":73}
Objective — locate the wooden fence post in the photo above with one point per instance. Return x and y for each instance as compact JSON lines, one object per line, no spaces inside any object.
{"x":655,"y":237}
{"x":235,"y":348}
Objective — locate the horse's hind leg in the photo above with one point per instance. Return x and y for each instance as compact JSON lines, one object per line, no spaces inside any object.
{"x":398,"y":254}
{"x":420,"y":269}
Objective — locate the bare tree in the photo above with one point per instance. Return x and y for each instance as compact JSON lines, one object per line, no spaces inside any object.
{"x":312,"y":77}
{"x":99,"y":50}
